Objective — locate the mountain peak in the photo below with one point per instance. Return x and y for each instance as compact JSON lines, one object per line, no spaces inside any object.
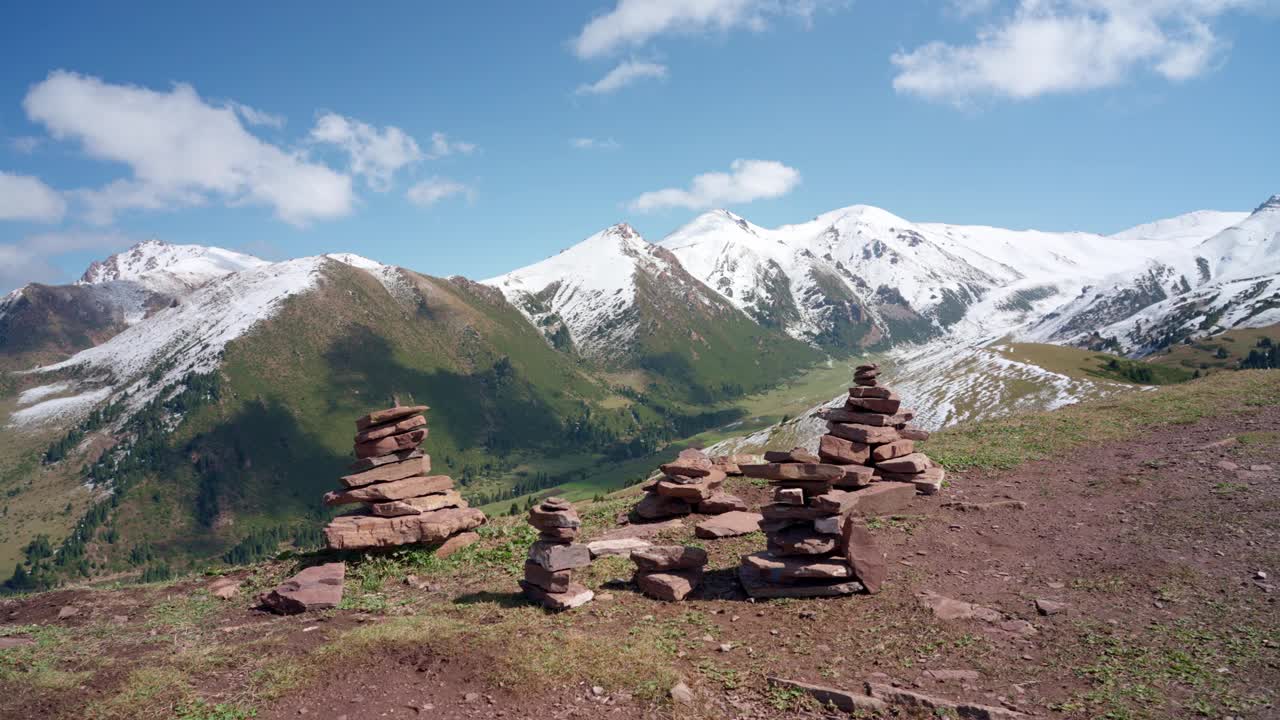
{"x":163,"y":267}
{"x":1272,"y":203}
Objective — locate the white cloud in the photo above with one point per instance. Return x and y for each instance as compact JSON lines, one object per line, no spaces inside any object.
{"x":30,"y":260}
{"x":1054,"y":46}
{"x":632,"y":23}
{"x":23,"y":197}
{"x":595,"y":143}
{"x":433,"y":190}
{"x":442,"y":146}
{"x":623,"y":75}
{"x":746,"y":180}
{"x":254,"y":116}
{"x":182,"y":150}
{"x":375,"y":154}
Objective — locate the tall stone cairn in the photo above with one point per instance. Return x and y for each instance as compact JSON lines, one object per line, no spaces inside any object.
{"x":402,"y":503}
{"x":552,"y":559}
{"x":690,"y":483}
{"x":866,"y":465}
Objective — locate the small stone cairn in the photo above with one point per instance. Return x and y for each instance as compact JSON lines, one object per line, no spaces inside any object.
{"x":668,"y":572}
{"x":554,"y":556}
{"x":866,"y":464}
{"x":402,"y":503}
{"x":690,"y":483}
{"x":871,"y":438}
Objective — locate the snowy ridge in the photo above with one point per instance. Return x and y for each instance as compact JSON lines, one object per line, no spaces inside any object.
{"x":590,"y":288}
{"x":188,"y":337}
{"x":169,"y":269}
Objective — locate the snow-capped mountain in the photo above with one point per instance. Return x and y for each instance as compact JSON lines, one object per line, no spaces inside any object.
{"x":169,"y":269}
{"x":187,"y":336}
{"x":1227,"y":279}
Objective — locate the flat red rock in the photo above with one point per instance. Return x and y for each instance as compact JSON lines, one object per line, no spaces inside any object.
{"x":417,"y":505}
{"x":392,"y":444}
{"x":758,"y":587}
{"x":456,"y":543}
{"x":386,"y":472}
{"x":857,"y":417}
{"x":315,"y":588}
{"x":914,"y":433}
{"x":691,"y":463}
{"x":864,"y":434}
{"x":794,"y":471}
{"x":795,"y":569}
{"x":729,"y":524}
{"x":913,"y":463}
{"x":552,"y":581}
{"x":575,"y":596}
{"x":721,"y":502}
{"x":838,"y":451}
{"x":855,"y":476}
{"x":658,"y":507}
{"x":368,"y":463}
{"x":670,"y":585}
{"x":794,"y":455}
{"x":657,"y":558}
{"x":394,"y":490}
{"x":692,"y":492}
{"x":859,"y":548}
{"x":887,"y":406}
{"x":377,"y":432}
{"x":382,"y":417}
{"x":357,"y":532}
{"x":895,"y":449}
{"x":884,"y":498}
{"x":859,"y":391}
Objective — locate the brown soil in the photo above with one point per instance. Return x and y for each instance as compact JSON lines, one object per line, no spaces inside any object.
{"x":1152,"y":546}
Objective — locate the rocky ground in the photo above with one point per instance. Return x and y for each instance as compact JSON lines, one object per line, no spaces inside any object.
{"x":1129,"y":572}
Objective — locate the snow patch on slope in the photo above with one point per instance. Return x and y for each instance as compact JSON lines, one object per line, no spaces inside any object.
{"x":59,"y":409}
{"x":169,"y":269}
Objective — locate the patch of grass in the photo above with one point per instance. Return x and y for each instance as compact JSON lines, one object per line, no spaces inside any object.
{"x":201,"y":710}
{"x":1005,"y":443}
{"x":1229,"y":488}
{"x":38,"y":666}
{"x":148,"y":693}
{"x":1179,"y":668}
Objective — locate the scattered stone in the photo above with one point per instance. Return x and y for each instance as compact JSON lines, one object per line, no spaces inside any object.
{"x":945,"y":608}
{"x":983,"y":507}
{"x":669,"y":557}
{"x":456,"y":543}
{"x":7,"y":643}
{"x":757,"y":586}
{"x":1050,"y":607}
{"x":224,"y":588}
{"x":68,"y":611}
{"x":964,"y":676}
{"x":937,"y":706}
{"x":669,"y":585}
{"x":719,"y":503}
{"x":681,"y":694}
{"x":657,"y":507}
{"x":315,"y":588}
{"x":730,"y":524}
{"x":848,"y":701}
{"x":617,"y":546}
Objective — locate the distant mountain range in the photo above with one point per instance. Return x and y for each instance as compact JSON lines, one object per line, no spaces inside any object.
{"x":239,"y":376}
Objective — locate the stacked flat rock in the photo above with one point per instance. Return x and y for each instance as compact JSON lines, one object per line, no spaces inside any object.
{"x":690,"y":483}
{"x":871,"y":438}
{"x":553,"y":557}
{"x":668,"y":572}
{"x":804,"y":526}
{"x":402,"y":502}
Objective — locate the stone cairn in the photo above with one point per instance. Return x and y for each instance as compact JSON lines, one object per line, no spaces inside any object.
{"x":668,"y":572}
{"x":690,"y":483}
{"x":866,"y":465}
{"x":554,"y":556}
{"x":402,"y":503}
{"x":870,"y":437}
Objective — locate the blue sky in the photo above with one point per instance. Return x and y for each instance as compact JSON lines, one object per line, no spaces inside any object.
{"x":477,"y":137}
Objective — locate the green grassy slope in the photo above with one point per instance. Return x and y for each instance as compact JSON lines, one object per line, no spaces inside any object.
{"x":1218,"y":352}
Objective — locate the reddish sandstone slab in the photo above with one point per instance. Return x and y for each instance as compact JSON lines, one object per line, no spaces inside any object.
{"x":394,"y":490}
{"x":794,"y":455}
{"x":855,"y":476}
{"x":854,"y":416}
{"x":556,"y":581}
{"x":369,"y":463}
{"x":357,"y":532}
{"x":887,"y":406}
{"x":392,"y":444}
{"x":315,"y":588}
{"x":692,"y":492}
{"x":690,"y":463}
{"x":838,"y":451}
{"x":377,"y":432}
{"x":659,"y":558}
{"x":865,"y":434}
{"x":914,"y":433}
{"x":417,"y":505}
{"x":859,"y":548}
{"x":805,"y":472}
{"x":895,"y":449}
{"x":382,"y":417}
{"x":872,"y":392}
{"x":793,"y":569}
{"x":758,"y":587}
{"x":913,"y":463}
{"x":729,"y":524}
{"x":670,"y":585}
{"x":884,"y":498}
{"x":658,"y":507}
{"x":386,"y":472}
{"x":721,"y":502}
